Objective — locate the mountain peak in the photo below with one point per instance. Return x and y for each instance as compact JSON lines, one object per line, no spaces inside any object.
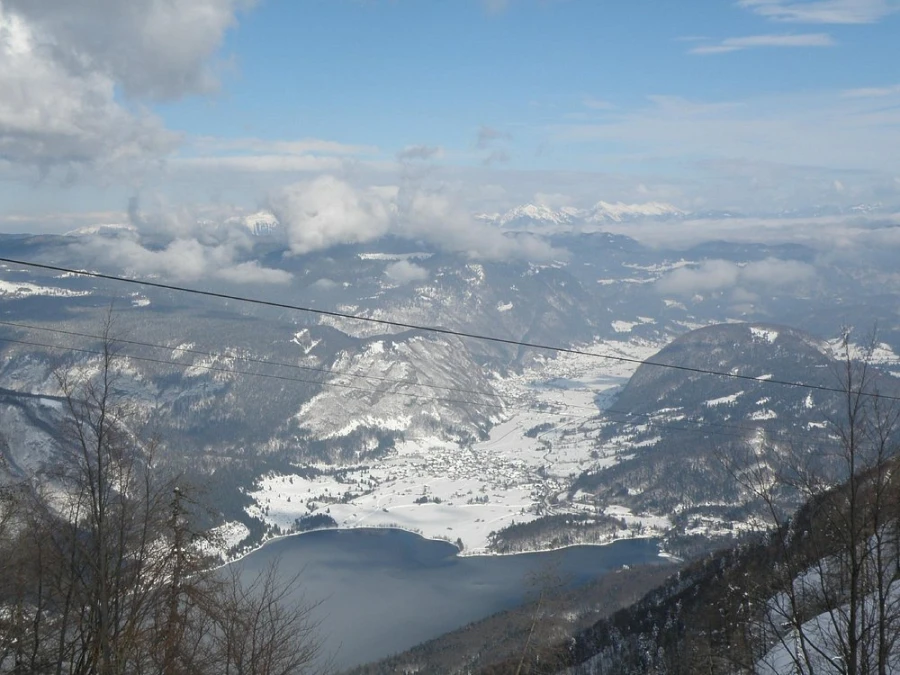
{"x":620,"y":211}
{"x":600,"y":212}
{"x":259,"y":223}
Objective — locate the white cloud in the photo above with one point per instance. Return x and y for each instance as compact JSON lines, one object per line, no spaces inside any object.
{"x":774,"y":272}
{"x":182,"y":260}
{"x":324,"y":284}
{"x":153,"y":49}
{"x":63,"y":65}
{"x":183,"y":244}
{"x":823,"y":11}
{"x":872,"y":92}
{"x":712,"y":275}
{"x":328,"y":211}
{"x":437,"y":217}
{"x":735,"y":44}
{"x":718,"y":275}
{"x":50,"y":117}
{"x":404,"y":272}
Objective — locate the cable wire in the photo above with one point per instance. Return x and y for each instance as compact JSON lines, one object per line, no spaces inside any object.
{"x":439,"y":330}
{"x":741,"y":431}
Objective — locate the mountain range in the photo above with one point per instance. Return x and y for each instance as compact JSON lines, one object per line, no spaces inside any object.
{"x":292,"y":414}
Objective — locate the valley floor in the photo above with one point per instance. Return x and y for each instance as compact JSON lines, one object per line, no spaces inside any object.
{"x":462,"y":494}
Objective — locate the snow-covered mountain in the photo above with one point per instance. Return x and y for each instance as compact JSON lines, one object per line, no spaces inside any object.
{"x":259,"y":223}
{"x":101,"y":229}
{"x":541,"y":215}
{"x":313,"y":413}
{"x":618,"y":212}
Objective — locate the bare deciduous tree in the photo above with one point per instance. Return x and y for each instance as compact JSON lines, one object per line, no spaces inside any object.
{"x":101,"y":571}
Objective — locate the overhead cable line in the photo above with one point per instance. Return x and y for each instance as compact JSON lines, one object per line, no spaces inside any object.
{"x":267,"y":362}
{"x":570,"y":406}
{"x":283,"y":378}
{"x":740,"y":431}
{"x":441,"y":331}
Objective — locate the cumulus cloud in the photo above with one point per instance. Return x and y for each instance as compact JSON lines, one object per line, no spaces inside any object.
{"x":436,"y":217}
{"x":182,"y":246}
{"x":158,"y":50}
{"x":181,"y":260}
{"x":328,"y":211}
{"x":405,"y":272}
{"x":718,"y":275}
{"x":51,"y":117}
{"x":62,"y":64}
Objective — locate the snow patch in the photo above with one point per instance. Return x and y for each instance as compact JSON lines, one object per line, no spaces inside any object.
{"x":396,"y":257}
{"x":764,"y":334}
{"x":624,"y":326}
{"x":22,"y":289}
{"x":725,"y":400}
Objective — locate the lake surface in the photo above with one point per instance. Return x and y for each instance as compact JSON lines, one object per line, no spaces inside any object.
{"x":384,"y":590}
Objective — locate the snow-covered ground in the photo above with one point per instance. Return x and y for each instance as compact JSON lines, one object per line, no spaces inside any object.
{"x":461,"y":493}
{"x":22,"y":289}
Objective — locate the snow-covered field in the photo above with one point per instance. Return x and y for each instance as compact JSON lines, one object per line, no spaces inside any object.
{"x":23,"y":289}
{"x":444,"y":490}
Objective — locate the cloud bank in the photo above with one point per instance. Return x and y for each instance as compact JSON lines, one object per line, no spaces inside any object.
{"x":182,"y":246}
{"x":328,"y":211}
{"x":713,"y":276}
{"x":62,"y":64}
{"x":405,"y":272}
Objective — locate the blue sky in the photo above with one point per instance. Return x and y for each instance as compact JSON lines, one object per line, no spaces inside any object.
{"x":220,"y":104}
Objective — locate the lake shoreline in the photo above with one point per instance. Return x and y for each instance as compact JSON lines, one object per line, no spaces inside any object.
{"x":381,"y":586}
{"x":460,"y":553}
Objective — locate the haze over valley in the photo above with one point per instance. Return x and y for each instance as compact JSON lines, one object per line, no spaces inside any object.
{"x":538,"y":329}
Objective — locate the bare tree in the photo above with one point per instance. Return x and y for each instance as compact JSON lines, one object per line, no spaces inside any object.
{"x":829,"y":605}
{"x":263,"y":627}
{"x":103,"y":573}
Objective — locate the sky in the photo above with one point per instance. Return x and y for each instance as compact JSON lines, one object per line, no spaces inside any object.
{"x":119,"y":110}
